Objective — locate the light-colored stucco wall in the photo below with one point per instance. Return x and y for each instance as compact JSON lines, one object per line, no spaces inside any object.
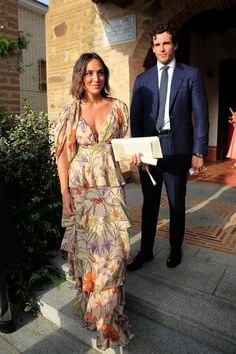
{"x":32,"y":21}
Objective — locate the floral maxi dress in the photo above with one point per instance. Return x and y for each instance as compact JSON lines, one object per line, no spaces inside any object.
{"x":96,"y":236}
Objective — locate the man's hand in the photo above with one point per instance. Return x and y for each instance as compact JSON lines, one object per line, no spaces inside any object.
{"x":198,"y":164}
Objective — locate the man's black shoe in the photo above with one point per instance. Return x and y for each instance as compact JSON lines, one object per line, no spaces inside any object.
{"x":138,"y":262}
{"x":175,"y":258}
{"x":7,"y":327}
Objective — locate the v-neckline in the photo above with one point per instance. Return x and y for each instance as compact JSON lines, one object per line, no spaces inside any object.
{"x":97,"y":134}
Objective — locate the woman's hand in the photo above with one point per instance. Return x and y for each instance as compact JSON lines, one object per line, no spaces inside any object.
{"x":232,"y":119}
{"x":67,"y":203}
{"x":136,"y":160}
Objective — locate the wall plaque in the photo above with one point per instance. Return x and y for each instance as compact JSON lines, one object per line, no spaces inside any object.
{"x":120,"y":30}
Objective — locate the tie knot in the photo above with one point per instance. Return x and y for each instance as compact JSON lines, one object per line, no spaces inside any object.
{"x":165,"y":67}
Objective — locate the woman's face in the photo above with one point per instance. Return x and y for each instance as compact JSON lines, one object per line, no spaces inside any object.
{"x":94,"y":77}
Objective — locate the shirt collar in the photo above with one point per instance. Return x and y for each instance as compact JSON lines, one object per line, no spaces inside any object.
{"x":171,"y":64}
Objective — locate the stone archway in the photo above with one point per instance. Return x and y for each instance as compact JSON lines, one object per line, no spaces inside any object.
{"x":177,"y":14}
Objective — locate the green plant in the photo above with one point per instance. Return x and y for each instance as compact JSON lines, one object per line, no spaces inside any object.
{"x":9,"y":44}
{"x":28,"y":163}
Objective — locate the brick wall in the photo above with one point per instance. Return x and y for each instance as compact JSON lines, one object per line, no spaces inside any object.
{"x":33,"y":22}
{"x":9,"y":76}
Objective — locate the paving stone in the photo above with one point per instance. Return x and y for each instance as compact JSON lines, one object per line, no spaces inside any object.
{"x":40,"y":336}
{"x":227,"y":286}
{"x":197,"y":314}
{"x":216,"y":257}
{"x":190,"y":274}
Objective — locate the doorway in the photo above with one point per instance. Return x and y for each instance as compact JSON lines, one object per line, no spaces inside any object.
{"x":227,"y":99}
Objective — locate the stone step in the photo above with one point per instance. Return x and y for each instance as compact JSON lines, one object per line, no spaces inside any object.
{"x":150,"y":337}
{"x":190,"y":298}
{"x":40,"y":336}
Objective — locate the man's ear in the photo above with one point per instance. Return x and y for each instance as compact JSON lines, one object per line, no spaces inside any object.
{"x":176,"y":46}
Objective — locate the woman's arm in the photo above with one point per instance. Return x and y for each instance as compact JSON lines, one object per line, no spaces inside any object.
{"x":63,"y":168}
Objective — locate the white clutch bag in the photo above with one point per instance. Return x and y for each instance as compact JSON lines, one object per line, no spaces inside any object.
{"x":149,"y":147}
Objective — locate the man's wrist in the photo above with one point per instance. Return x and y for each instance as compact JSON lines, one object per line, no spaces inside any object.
{"x":197,"y":154}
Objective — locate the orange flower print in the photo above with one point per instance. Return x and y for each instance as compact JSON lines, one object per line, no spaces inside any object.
{"x":88,"y":316}
{"x":107,"y":315}
{"x":89,"y":280}
{"x":97,"y":200}
{"x":99,"y":303}
{"x":78,"y":191}
{"x":126,"y":254}
{"x":112,"y":269}
{"x":120,"y":117}
{"x":71,"y":139}
{"x":110,"y":332}
{"x":115,"y":291}
{"x":115,"y":213}
{"x":86,"y":186}
{"x":88,"y":169}
{"x":93,"y":260}
{"x":85,"y":219}
{"x":108,"y":258}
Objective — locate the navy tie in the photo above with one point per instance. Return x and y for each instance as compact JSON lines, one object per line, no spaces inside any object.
{"x":162,"y":97}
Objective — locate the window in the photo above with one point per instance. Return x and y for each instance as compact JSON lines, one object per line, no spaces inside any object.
{"x":42,"y":75}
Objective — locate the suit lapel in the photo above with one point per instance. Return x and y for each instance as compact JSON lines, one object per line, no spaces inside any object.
{"x":178,"y":77}
{"x":153,"y":80}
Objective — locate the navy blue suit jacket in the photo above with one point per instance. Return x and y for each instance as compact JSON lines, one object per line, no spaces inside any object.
{"x":187,"y":96}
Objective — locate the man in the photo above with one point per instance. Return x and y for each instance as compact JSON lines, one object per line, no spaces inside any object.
{"x":164,"y":108}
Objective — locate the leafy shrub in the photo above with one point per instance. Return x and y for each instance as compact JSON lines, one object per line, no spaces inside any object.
{"x":29,"y":166}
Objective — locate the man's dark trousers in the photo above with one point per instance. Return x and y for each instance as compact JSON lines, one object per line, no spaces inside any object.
{"x":172,"y":170}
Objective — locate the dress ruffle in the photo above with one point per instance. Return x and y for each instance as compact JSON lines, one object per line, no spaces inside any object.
{"x":97,"y":265}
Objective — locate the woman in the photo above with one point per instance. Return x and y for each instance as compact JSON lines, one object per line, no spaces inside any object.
{"x":94,"y":210}
{"x":232,"y":148}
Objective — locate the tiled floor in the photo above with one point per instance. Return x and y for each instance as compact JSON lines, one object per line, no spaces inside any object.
{"x":215,"y":226}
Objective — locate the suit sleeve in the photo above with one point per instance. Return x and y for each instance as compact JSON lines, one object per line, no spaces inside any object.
{"x":201,"y":115}
{"x":136,"y":110}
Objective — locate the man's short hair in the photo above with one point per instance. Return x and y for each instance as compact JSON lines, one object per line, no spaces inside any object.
{"x":161,"y":28}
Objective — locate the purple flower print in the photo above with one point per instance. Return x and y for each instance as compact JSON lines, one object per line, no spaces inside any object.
{"x":107,"y":244}
{"x":75,"y":177}
{"x":83,"y":125}
{"x":86,"y":324}
{"x":82,"y":159}
{"x":93,"y":246}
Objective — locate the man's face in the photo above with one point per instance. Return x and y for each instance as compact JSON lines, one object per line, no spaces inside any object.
{"x":163,"y":47}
